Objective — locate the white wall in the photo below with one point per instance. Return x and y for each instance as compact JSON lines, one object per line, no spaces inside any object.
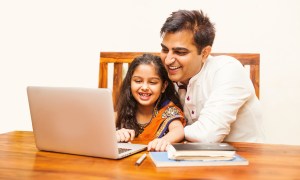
{"x":57,"y":43}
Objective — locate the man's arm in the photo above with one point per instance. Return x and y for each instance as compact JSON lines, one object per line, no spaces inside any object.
{"x":230,"y":90}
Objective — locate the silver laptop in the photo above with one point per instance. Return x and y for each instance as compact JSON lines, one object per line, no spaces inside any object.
{"x":76,"y":121}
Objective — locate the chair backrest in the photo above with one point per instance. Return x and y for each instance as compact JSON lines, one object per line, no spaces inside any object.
{"x":118,"y":59}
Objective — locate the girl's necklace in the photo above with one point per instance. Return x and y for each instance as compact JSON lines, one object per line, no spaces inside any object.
{"x":154,"y":113}
{"x":144,"y":125}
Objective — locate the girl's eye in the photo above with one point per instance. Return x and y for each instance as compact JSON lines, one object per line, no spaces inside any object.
{"x":137,"y":81}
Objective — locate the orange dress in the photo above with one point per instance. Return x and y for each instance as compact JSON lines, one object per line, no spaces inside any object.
{"x":159,"y":124}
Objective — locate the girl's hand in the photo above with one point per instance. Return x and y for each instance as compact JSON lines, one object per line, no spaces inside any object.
{"x":159,"y":144}
{"x":125,"y":135}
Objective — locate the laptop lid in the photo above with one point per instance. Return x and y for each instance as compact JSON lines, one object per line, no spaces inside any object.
{"x":75,"y":120}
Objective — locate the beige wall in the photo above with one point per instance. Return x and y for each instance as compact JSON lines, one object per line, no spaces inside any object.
{"x":57,"y":43}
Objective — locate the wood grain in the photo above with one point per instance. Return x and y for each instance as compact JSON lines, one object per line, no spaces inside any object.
{"x":21,"y":160}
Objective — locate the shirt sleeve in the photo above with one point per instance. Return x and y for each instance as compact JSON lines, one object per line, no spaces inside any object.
{"x":230,"y":89}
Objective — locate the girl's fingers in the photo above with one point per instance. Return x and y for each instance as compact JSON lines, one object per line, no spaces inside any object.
{"x":124,"y":135}
{"x":132,"y":134}
{"x":158,"y":145}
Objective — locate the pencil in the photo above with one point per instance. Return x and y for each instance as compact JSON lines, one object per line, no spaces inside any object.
{"x":141,"y":159}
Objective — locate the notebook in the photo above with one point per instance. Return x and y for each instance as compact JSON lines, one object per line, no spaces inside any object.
{"x":201,"y":151}
{"x":160,"y":159}
{"x":76,"y":120}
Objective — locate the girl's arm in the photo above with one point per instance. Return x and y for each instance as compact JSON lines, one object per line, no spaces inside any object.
{"x":175,"y":134}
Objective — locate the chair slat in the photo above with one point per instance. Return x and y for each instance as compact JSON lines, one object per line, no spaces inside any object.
{"x":118,"y":67}
{"x":103,"y":75}
{"x":120,"y":58}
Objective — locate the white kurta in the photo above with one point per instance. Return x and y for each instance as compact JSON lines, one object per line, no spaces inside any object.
{"x":221,"y":105}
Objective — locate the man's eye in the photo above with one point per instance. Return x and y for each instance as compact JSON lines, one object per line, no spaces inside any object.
{"x":181,"y":53}
{"x":164,"y":50}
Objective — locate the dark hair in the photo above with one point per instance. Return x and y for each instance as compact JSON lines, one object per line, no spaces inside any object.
{"x":127,"y":105}
{"x":196,"y":22}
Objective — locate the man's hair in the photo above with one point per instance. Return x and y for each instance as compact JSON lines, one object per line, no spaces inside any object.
{"x":196,"y":22}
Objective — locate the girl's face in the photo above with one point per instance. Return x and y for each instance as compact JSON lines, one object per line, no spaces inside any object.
{"x":146,"y":85}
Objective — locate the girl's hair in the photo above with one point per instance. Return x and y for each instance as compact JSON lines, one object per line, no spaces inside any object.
{"x":127,"y":105}
{"x":196,"y":22}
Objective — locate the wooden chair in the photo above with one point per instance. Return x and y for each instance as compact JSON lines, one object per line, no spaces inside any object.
{"x":251,"y":61}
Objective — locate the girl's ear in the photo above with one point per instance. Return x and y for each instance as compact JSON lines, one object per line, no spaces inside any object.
{"x":164,"y":86}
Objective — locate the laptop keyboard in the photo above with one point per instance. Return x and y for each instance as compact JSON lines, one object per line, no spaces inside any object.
{"x":121,"y":150}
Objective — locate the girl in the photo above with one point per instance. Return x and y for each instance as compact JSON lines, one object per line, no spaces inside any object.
{"x":148,"y":108}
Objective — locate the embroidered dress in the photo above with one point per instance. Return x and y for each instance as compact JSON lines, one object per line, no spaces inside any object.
{"x":159,"y":124}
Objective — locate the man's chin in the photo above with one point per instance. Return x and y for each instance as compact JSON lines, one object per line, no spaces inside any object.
{"x":174,"y":78}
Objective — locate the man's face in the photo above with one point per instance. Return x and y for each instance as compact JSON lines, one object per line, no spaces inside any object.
{"x":180,"y":56}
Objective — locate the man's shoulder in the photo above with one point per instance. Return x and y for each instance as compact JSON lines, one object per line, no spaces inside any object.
{"x":222,"y":60}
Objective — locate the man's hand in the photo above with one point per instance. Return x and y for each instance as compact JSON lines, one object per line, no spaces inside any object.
{"x":158,"y":145}
{"x":125,"y":135}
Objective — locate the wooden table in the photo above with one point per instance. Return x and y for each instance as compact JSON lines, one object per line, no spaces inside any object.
{"x":19,"y":159}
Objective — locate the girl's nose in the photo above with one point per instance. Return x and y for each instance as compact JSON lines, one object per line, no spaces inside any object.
{"x":144,"y":86}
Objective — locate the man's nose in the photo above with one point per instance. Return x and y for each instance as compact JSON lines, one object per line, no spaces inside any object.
{"x":169,"y":59}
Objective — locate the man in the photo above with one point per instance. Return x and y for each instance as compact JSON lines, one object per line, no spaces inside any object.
{"x":219,"y":101}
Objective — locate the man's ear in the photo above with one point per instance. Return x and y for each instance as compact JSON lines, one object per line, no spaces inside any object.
{"x":164,"y":86}
{"x":205,"y":52}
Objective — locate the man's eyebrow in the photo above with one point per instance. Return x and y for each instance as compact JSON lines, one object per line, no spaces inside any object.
{"x":180,"y":49}
{"x":175,"y":48}
{"x":163,"y":46}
